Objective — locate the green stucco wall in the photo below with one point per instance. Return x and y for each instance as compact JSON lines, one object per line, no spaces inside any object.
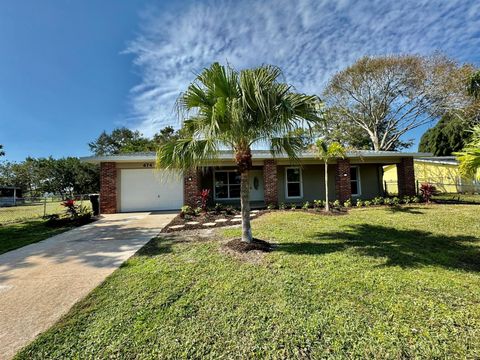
{"x":313,"y":183}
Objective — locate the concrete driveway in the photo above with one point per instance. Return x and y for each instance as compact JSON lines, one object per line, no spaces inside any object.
{"x":40,"y":282}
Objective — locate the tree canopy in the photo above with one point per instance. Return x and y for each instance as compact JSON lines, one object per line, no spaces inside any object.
{"x":37,"y":176}
{"x":449,"y":135}
{"x":123,"y":140}
{"x":384,"y":98}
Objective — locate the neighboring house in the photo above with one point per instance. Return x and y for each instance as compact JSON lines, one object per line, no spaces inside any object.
{"x":9,"y":195}
{"x":130,"y":182}
{"x":441,"y":171}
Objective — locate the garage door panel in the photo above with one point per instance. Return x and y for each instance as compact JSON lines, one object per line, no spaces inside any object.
{"x":150,"y":189}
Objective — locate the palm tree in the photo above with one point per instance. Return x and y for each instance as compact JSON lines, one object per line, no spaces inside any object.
{"x":225,"y":108}
{"x":327,"y":152}
{"x":473,"y":85}
{"x":469,"y":157}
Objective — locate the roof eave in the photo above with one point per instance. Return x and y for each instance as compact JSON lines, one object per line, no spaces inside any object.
{"x":257,"y":155}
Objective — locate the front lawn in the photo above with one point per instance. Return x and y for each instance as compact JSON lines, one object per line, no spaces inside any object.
{"x":457,"y":198}
{"x":384,"y":283}
{"x":13,"y":236}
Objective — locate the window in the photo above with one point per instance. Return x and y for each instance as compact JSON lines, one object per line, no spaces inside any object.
{"x":355,"y":180}
{"x":227,"y":184}
{"x":293,"y":180}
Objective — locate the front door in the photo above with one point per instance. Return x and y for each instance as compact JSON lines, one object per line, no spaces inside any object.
{"x":256,"y":185}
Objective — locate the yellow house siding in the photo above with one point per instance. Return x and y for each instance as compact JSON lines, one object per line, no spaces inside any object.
{"x":445,"y":177}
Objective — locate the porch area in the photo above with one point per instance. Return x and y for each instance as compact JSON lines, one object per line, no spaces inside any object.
{"x":275,"y":181}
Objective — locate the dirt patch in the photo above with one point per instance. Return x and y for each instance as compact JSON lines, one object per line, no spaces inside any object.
{"x":244,"y":247}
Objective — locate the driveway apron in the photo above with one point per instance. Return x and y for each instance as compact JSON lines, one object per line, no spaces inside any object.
{"x":40,"y":282}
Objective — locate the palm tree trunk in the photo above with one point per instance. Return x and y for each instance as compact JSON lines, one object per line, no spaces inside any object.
{"x":245,"y":207}
{"x":327,"y":205}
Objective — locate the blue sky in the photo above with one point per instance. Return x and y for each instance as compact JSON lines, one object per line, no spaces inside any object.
{"x":70,"y":69}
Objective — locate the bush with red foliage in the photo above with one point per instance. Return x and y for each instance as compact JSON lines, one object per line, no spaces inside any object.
{"x":427,"y":191}
{"x":70,"y":207}
{"x":204,"y":195}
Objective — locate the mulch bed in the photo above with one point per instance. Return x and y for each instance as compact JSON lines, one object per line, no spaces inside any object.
{"x":243,"y":247}
{"x":209,"y":217}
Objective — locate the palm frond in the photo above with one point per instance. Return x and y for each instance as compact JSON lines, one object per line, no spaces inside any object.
{"x":188,"y":153}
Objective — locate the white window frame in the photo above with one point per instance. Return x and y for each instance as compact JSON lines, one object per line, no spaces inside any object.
{"x":293,"y":182}
{"x":228,"y":185}
{"x":358,"y":181}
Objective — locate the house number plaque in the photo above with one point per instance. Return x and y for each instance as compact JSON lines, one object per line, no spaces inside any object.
{"x":148,"y":165}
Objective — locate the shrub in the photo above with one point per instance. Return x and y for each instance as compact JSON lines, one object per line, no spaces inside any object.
{"x":416,"y":199}
{"x":367,"y":203}
{"x":186,"y":210}
{"x":348,"y":203}
{"x":395,"y":201}
{"x":359,"y":203}
{"x":282,"y":206}
{"x":406,"y":200}
{"x":427,"y":191}
{"x":387,"y":201}
{"x":271,"y":206}
{"x":70,"y":208}
{"x":306,"y":205}
{"x":219,"y":208}
{"x":377,"y":201}
{"x":229,"y":210}
{"x":197,"y":211}
{"x":336,"y":203}
{"x":204,"y":195}
{"x":317,"y":204}
{"x":293,"y":206}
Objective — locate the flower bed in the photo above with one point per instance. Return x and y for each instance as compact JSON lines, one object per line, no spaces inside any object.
{"x":208,"y":219}
{"x":220,"y":215}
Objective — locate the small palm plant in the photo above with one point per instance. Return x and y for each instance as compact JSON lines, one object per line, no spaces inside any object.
{"x":229,"y":109}
{"x":469,"y":157}
{"x":326,"y":152}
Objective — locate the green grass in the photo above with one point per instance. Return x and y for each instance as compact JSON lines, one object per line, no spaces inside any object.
{"x":15,"y":214}
{"x":14,"y":236}
{"x":376,"y":283}
{"x":458,"y":198}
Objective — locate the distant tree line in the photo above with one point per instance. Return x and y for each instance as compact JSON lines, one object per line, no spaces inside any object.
{"x":64,"y":177}
{"x":69,"y":176}
{"x":123,"y":140}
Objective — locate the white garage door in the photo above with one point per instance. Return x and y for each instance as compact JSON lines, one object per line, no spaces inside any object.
{"x":150,"y":189}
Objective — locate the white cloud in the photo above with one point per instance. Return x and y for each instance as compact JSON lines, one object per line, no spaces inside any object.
{"x":309,"y":39}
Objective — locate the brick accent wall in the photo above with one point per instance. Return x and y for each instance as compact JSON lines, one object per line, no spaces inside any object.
{"x":343,"y":188}
{"x":270,"y":182}
{"x":108,"y":188}
{"x":406,"y":177}
{"x":191,"y":187}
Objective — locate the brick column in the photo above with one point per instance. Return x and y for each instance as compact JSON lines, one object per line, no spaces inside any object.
{"x":270,"y":182}
{"x":406,"y":177}
{"x":108,"y":188}
{"x":342,"y":180}
{"x":191,"y":187}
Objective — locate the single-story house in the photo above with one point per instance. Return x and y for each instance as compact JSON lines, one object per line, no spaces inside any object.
{"x":130,"y":182}
{"x":10,"y":195}
{"x":440,"y":171}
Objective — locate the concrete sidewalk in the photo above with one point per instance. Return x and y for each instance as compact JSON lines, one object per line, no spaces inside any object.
{"x":40,"y":282}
